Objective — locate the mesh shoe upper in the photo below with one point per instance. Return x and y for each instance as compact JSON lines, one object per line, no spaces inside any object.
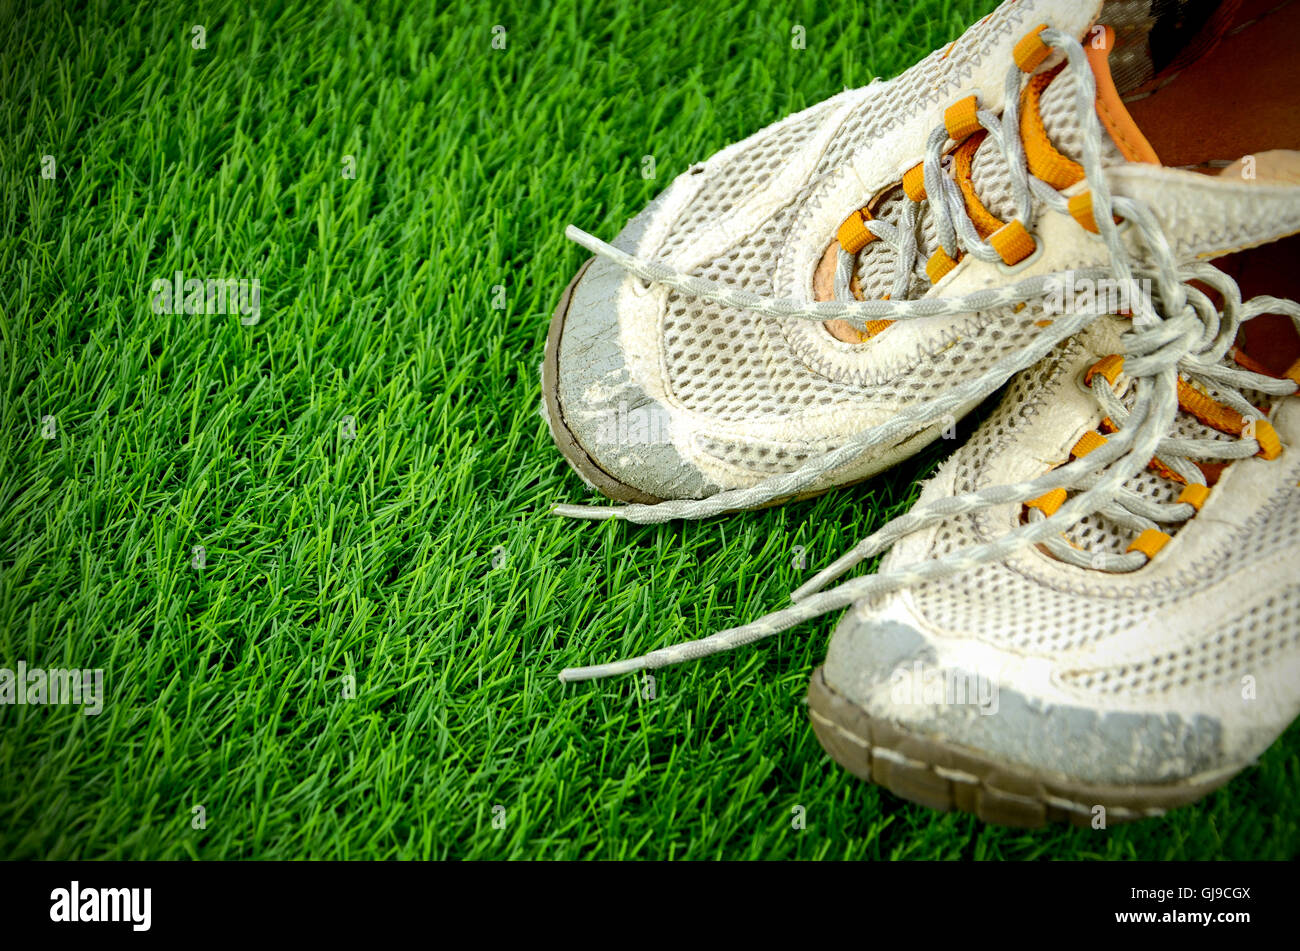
{"x":1187,"y":666}
{"x":743,"y":396}
{"x":738,"y":397}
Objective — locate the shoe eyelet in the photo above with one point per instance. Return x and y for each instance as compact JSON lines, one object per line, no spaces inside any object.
{"x":1079,"y":381}
{"x":1020,"y":265}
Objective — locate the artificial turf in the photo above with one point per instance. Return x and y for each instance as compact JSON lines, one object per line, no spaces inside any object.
{"x":365,"y":665}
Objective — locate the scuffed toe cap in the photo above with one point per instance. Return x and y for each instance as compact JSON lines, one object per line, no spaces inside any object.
{"x":614,"y":434}
{"x":895,"y":672}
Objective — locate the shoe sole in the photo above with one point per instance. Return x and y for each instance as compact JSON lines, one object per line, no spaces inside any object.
{"x":619,"y":491}
{"x":944,"y":776}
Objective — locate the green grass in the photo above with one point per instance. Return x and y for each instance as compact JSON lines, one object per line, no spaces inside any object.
{"x":371,"y":557}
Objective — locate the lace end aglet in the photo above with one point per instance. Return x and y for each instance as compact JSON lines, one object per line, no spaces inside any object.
{"x":600,"y":671}
{"x":580,"y":237}
{"x":594,"y":513}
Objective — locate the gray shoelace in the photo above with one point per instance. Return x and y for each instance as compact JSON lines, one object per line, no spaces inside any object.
{"x":1177,"y":331}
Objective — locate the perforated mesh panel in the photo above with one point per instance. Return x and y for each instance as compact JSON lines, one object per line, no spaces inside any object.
{"x":770,"y":458}
{"x":1061,"y":121}
{"x":901,"y":99}
{"x":992,"y":180}
{"x":733,"y":365}
{"x":720,"y":360}
{"x":750,"y":169}
{"x":1255,"y":638}
{"x":998,"y":332}
{"x":1000,"y":604}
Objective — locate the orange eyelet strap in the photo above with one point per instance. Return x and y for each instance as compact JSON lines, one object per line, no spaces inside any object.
{"x":960,"y":119}
{"x":914,"y":182}
{"x":1042,"y":157}
{"x":1110,"y":367}
{"x":1227,"y":420}
{"x":1293,"y":373}
{"x":1149,"y":542}
{"x":1194,"y":494}
{"x":1210,"y":412}
{"x":1162,"y":470}
{"x":939,"y":265}
{"x":1080,"y":206}
{"x":1088,"y":442}
{"x":963,"y":160}
{"x":1049,"y":503}
{"x":1012,"y":242}
{"x":853,"y":235}
{"x":1030,"y":51}
{"x":1270,"y":446}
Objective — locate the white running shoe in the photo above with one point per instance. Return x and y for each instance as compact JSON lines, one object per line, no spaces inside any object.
{"x":819,"y":301}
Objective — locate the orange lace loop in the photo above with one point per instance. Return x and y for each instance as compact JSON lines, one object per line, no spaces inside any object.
{"x":1080,"y":206}
{"x":1012,"y":242}
{"x":1043,"y":158}
{"x":853,"y":235}
{"x":1270,"y":445}
{"x":1150,"y":542}
{"x":1088,"y":442}
{"x":960,"y":119}
{"x":1194,"y":495}
{"x":939,"y":264}
{"x":1049,"y":503}
{"x":1030,"y":51}
{"x":873,"y":327}
{"x":1110,"y":367}
{"x":914,"y":182}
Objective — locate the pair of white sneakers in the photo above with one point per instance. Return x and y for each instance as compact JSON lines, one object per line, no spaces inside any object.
{"x":1094,"y":607}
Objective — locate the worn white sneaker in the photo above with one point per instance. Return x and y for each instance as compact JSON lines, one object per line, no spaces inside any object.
{"x":1144,"y":650}
{"x":1092,"y":613}
{"x":820,"y":300}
